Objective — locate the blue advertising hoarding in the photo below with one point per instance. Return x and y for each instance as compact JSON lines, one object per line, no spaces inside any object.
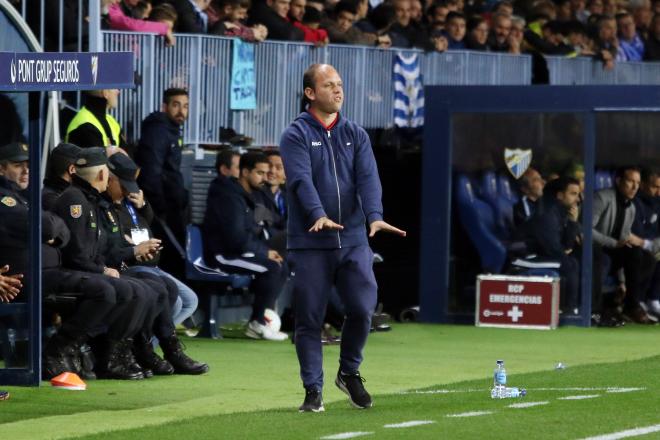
{"x":31,"y":71}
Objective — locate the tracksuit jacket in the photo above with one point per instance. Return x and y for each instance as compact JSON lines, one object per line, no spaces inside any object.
{"x":331,"y":171}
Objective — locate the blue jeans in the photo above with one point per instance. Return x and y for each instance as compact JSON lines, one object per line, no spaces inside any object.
{"x":185,"y":304}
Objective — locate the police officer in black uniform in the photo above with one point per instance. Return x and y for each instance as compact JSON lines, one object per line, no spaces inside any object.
{"x":78,"y":207}
{"x":61,"y":168}
{"x":120,"y":252}
{"x":95,"y":246}
{"x":97,"y":308}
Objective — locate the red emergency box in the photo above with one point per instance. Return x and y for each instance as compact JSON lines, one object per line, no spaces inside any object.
{"x":517,"y":301}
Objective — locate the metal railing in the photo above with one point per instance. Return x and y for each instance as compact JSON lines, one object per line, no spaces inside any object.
{"x":586,"y":71}
{"x":202,"y":64}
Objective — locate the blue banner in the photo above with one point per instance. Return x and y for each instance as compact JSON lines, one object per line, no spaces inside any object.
{"x":34,"y":71}
{"x":243,"y":91}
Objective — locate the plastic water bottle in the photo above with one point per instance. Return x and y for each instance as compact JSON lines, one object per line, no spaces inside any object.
{"x":512,"y":392}
{"x":499,"y":381}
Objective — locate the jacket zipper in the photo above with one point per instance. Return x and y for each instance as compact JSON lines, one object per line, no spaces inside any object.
{"x":334,"y":166}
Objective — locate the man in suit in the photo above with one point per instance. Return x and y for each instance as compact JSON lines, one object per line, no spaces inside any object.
{"x":613,"y":216}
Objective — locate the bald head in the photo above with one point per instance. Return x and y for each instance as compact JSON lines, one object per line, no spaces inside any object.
{"x":323,"y":88}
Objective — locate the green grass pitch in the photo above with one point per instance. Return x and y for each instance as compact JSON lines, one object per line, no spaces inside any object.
{"x":439,"y":375}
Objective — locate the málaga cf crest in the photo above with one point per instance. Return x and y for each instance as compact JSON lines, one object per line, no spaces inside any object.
{"x":517,"y":161}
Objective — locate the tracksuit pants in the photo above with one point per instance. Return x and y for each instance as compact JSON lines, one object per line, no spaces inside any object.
{"x":314,"y":273}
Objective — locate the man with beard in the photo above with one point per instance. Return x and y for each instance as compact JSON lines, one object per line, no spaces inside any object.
{"x":236,"y":243}
{"x":159,"y":156}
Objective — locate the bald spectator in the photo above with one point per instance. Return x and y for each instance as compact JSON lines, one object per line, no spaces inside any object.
{"x":498,"y":41}
{"x":531,"y":186}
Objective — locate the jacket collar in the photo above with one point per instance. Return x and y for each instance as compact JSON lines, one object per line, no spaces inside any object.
{"x":313,"y":121}
{"x":56,"y":183}
{"x":90,"y":192}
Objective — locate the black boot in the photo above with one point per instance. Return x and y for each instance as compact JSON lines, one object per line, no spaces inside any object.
{"x":131,"y":362}
{"x":87,"y":362}
{"x":115,"y":364}
{"x":147,"y":357}
{"x":173,"y":351}
{"x":61,"y":354}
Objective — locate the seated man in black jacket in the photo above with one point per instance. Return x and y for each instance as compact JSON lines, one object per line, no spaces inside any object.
{"x":553,"y":233}
{"x":234,"y":242}
{"x":531,"y":185}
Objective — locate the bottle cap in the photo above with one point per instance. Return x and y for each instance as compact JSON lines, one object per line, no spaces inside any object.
{"x":500,"y":362}
{"x":523,"y":392}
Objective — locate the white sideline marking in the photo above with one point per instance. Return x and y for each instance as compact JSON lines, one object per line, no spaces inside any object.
{"x":471,"y":414}
{"x":624,"y":434}
{"x":606,"y":389}
{"x":443,"y":391}
{"x":409,"y":424}
{"x":528,"y":404}
{"x":344,"y":435}
{"x":582,"y":397}
{"x":473,"y":390}
{"x":623,"y":390}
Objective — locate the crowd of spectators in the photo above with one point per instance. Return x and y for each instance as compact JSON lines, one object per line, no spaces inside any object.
{"x":609,"y":30}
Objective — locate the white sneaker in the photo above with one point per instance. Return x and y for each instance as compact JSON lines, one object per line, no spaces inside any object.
{"x":256,"y":330}
{"x":653,"y":307}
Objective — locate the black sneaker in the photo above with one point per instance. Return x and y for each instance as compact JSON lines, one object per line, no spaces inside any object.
{"x":352,"y":385}
{"x":313,"y":401}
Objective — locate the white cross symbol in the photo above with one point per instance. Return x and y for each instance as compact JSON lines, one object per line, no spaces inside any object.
{"x":515,"y":313}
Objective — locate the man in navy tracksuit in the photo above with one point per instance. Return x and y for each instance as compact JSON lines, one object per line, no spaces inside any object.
{"x":333,"y":188}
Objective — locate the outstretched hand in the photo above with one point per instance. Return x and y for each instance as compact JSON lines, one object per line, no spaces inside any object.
{"x":325,"y":223}
{"x":380,"y":225}
{"x":10,"y":285}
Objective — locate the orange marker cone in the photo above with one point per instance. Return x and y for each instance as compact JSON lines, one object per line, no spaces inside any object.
{"x":68,"y":381}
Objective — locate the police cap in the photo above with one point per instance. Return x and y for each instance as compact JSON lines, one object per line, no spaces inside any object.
{"x":126,"y":171}
{"x":91,"y":157}
{"x":14,"y":152}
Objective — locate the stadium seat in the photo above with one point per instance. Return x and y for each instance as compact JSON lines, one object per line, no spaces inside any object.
{"x":478,"y":219}
{"x":197,"y":270}
{"x":502,"y":206}
{"x":506,"y":190}
{"x":603,"y":179}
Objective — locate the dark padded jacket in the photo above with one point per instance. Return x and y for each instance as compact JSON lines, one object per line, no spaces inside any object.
{"x":159,"y":156}
{"x":229,"y":226}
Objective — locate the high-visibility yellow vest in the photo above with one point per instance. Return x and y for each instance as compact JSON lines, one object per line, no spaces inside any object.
{"x":84,"y":116}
